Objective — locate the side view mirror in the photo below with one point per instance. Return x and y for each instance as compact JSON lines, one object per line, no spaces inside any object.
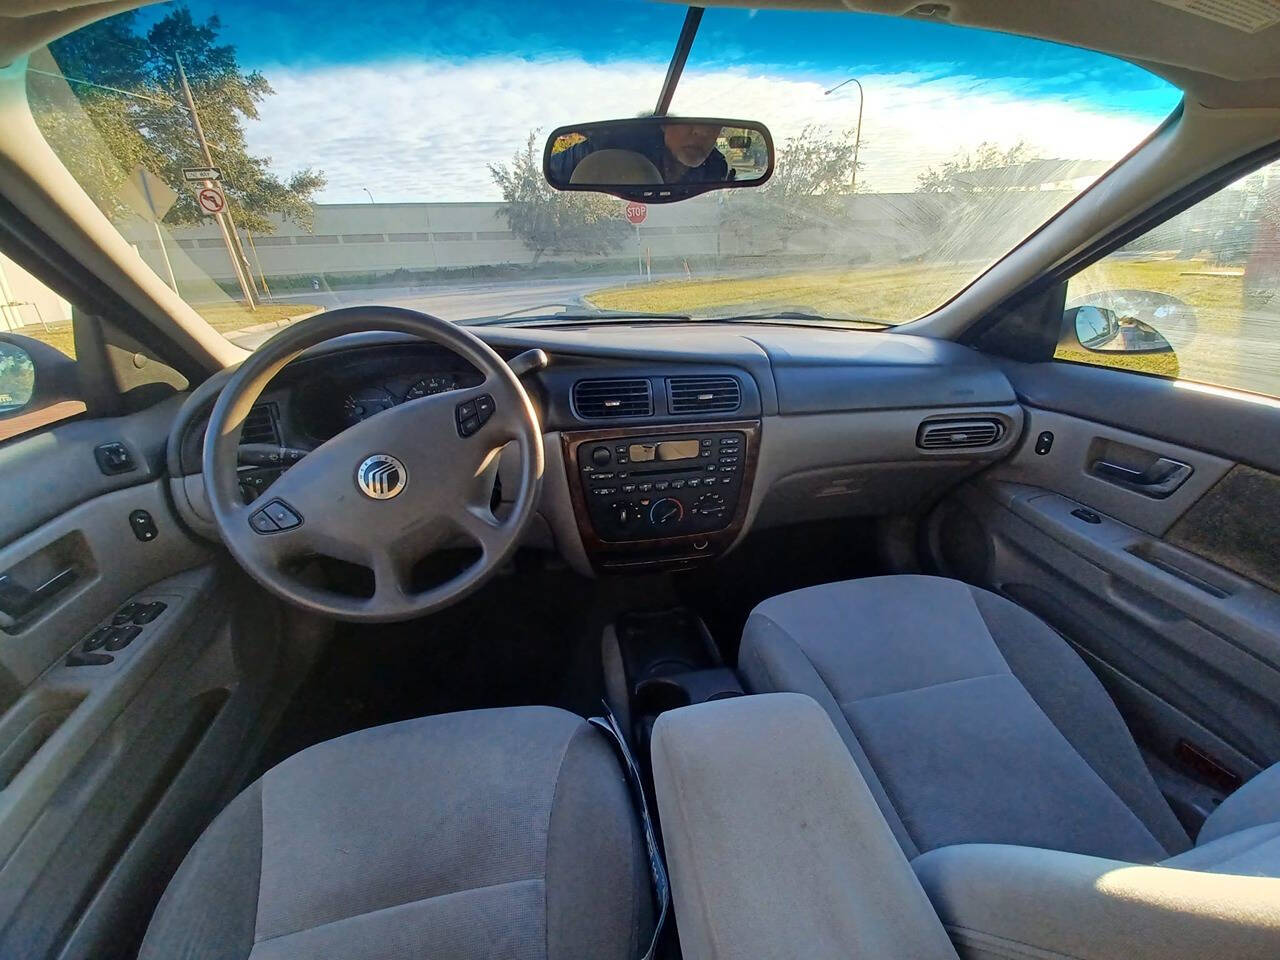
{"x":17,"y":378}
{"x":658,"y":159}
{"x":1128,"y":321}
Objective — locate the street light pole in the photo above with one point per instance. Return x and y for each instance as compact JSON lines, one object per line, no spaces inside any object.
{"x":857,"y":140}
{"x":228,"y":235}
{"x":366,"y":190}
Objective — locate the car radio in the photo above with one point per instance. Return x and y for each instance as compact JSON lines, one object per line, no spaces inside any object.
{"x":662,"y":486}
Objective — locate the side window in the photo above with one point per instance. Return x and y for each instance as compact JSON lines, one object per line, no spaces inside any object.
{"x":1196,"y":298}
{"x":38,"y":375}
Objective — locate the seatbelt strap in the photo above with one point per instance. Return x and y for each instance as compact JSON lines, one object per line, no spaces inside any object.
{"x":608,"y":724}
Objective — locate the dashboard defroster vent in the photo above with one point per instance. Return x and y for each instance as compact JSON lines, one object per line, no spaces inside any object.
{"x":260,"y":426}
{"x":958,"y":434}
{"x":703,"y":394}
{"x":598,"y":399}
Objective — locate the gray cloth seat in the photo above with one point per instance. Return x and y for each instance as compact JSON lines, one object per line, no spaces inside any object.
{"x":493,"y":833}
{"x":971,"y":720}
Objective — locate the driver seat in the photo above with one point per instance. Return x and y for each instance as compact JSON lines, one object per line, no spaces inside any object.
{"x":492,"y":833}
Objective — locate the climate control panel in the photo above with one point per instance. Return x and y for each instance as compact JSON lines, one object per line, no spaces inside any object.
{"x":662,"y":486}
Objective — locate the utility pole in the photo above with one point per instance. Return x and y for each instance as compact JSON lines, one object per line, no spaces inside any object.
{"x":228,"y":235}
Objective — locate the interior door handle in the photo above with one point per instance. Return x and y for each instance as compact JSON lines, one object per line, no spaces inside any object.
{"x":1158,"y":480}
{"x":17,"y":602}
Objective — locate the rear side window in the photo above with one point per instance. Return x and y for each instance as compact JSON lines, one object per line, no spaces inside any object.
{"x":1196,"y":298}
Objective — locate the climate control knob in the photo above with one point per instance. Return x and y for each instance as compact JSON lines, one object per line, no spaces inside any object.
{"x":709,"y":505}
{"x":666,"y":512}
{"x":601,"y":456}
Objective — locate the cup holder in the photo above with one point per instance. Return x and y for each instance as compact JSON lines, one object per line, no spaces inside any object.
{"x":670,"y":692}
{"x":658,"y":694}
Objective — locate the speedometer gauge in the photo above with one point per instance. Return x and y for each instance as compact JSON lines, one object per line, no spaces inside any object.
{"x":440,"y":383}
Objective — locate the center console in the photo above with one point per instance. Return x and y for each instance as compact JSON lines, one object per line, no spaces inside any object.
{"x":668,"y":496}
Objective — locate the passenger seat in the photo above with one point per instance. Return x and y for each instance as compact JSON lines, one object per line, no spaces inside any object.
{"x":1011,"y":782}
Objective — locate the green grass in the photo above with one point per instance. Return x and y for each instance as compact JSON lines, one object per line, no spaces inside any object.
{"x":884,"y":294}
{"x":897,"y":294}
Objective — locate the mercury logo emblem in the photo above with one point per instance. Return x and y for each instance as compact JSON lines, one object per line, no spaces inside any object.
{"x":381,"y":476}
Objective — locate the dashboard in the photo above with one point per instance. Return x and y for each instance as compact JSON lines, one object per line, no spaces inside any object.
{"x":665,"y":444}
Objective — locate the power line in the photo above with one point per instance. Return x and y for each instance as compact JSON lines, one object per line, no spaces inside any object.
{"x":101,"y":86}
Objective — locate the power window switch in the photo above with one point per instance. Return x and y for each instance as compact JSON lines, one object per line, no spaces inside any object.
{"x":96,"y":639}
{"x":148,"y":612}
{"x":122,"y":637}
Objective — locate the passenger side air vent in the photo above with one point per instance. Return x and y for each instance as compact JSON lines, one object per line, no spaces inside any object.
{"x":958,"y":434}
{"x":703,"y":395}
{"x":596,"y":399}
{"x":260,"y":426}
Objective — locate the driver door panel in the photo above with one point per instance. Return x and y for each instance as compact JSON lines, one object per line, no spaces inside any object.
{"x":88,"y":750}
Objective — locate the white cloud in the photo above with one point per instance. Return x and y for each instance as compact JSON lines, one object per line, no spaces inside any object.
{"x":425,"y":131}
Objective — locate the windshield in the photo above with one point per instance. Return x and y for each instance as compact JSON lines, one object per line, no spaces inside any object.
{"x":381,"y":154}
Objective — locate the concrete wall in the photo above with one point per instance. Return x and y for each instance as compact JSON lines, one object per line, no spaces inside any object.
{"x":380,"y":238}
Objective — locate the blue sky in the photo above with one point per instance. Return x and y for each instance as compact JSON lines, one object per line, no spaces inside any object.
{"x":416,"y":99}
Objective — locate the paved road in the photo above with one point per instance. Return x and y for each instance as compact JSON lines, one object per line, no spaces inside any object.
{"x":464,"y":300}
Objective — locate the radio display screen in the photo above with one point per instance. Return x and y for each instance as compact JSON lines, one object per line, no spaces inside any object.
{"x":664,"y":450}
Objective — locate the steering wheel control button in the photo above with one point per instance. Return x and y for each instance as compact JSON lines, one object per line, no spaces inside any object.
{"x":282,"y":514}
{"x":262,"y":523}
{"x":474,"y":414}
{"x":379,"y":477}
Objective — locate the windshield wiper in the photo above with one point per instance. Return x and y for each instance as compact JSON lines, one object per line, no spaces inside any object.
{"x":800,"y":316}
{"x":554,"y":319}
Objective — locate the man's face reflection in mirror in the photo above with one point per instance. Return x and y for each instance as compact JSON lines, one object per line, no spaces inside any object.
{"x":690,"y":145}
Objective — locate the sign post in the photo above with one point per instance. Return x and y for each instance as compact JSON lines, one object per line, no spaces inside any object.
{"x":239,"y":263}
{"x":636,"y":214}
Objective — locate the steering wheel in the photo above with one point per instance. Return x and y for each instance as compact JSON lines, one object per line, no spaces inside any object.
{"x":387,"y":492}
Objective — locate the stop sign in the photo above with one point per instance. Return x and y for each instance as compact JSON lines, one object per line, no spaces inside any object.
{"x":636,"y":212}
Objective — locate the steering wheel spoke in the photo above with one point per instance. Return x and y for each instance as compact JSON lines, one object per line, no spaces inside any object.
{"x":479,"y":524}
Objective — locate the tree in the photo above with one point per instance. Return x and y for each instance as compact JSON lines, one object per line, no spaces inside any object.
{"x":989,"y":158}
{"x":812,"y":181}
{"x":126,"y":82}
{"x":553,"y":221}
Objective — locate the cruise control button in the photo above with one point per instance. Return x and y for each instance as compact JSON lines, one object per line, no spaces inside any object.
{"x":484,"y":406}
{"x":283,"y":517}
{"x":469,"y":426}
{"x":466,"y":410}
{"x":262,"y":523}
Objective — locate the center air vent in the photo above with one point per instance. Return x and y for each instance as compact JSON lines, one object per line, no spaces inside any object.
{"x":260,"y":425}
{"x":958,"y":434}
{"x":596,"y":399}
{"x":703,"y":395}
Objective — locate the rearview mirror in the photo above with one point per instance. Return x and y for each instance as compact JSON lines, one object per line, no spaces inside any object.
{"x":658,"y":159}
